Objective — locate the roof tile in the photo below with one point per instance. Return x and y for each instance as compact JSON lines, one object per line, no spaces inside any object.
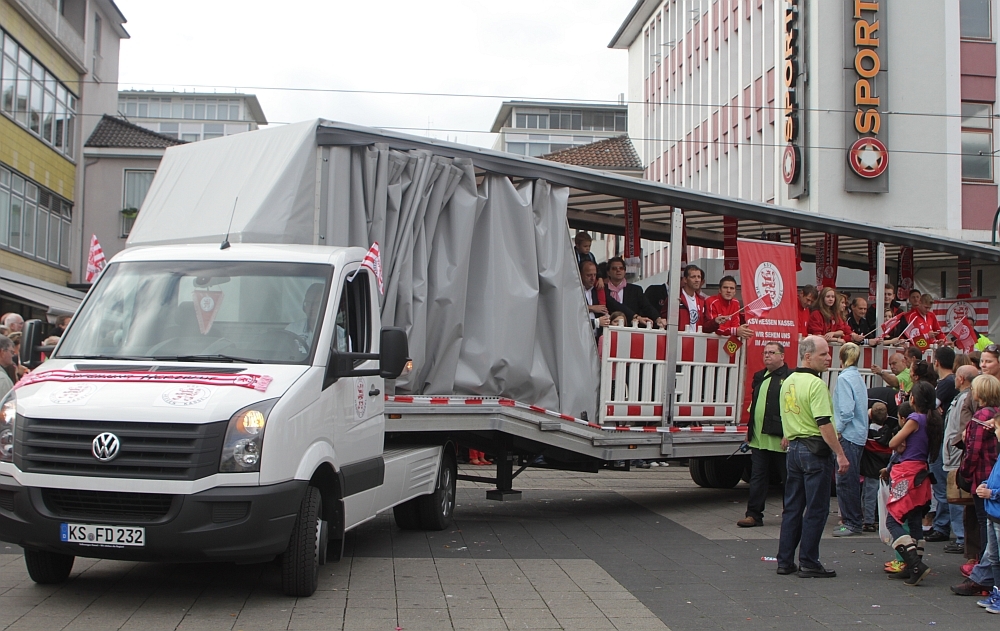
{"x":119,"y":134}
{"x":616,"y":153}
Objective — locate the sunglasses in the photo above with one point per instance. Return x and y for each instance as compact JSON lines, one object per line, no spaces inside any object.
{"x":992,"y":348}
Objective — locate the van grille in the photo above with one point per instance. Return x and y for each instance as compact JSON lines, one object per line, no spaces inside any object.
{"x":157,"y":451}
{"x":106,"y":505}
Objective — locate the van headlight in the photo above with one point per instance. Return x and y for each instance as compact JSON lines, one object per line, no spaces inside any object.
{"x":244,"y":442}
{"x":8,"y":415}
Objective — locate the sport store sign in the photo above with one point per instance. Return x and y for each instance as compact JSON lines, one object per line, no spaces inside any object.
{"x":866,"y":81}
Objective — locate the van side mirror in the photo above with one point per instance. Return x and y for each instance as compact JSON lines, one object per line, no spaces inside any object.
{"x":392,"y":359}
{"x":31,"y":340}
{"x":394,"y":352}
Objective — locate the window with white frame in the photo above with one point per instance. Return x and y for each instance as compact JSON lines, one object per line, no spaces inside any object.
{"x":192,"y":108}
{"x":976,"y":19}
{"x":136,"y":186}
{"x":34,"y":222}
{"x":33,"y":97}
{"x":977,"y":142}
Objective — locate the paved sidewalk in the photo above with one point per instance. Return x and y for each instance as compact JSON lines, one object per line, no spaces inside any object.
{"x":639,"y":550}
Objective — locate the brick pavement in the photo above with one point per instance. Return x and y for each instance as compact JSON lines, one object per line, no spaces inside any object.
{"x":640,"y":550}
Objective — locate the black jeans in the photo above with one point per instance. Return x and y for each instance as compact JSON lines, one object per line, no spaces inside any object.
{"x":762,"y":463}
{"x":980,"y":504}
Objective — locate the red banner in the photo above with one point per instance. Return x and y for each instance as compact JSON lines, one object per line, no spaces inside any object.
{"x":964,"y":278}
{"x":831,"y":260}
{"x":684,"y":243}
{"x":820,"y":257}
{"x":904,"y":278}
{"x":797,"y":242}
{"x":767,"y":270}
{"x":730,"y":233}
{"x":950,"y":313}
{"x":632,"y":245}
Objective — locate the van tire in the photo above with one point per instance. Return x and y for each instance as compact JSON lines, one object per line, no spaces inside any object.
{"x":47,"y":568}
{"x":438,"y":508}
{"x":696,"y":467}
{"x":300,"y":561}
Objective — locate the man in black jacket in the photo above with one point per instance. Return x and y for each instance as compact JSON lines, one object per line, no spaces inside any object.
{"x":764,"y":432}
{"x":631,"y":296}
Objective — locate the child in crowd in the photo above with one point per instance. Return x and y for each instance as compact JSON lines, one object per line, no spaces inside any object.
{"x":916,"y":443}
{"x":896,"y":568}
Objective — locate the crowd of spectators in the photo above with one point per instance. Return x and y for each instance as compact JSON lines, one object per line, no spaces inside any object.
{"x":11,"y":330}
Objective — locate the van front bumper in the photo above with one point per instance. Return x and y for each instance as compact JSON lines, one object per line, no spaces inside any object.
{"x":240,"y":524}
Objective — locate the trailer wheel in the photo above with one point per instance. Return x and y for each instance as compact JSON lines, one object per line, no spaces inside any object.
{"x":301,"y":560}
{"x":697,"y":468}
{"x":724,"y":473}
{"x":46,"y":568}
{"x":438,"y":508}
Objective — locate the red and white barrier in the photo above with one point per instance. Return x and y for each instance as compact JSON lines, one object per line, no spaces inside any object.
{"x":633,"y":368}
{"x":708,"y":387}
{"x":709,"y":380}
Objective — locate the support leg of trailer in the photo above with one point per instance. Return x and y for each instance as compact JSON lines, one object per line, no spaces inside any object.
{"x":505,"y":479}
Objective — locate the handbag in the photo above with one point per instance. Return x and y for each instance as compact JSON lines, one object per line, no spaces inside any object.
{"x":959,"y":489}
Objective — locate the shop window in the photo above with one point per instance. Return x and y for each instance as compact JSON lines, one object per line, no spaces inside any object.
{"x":977,"y":142}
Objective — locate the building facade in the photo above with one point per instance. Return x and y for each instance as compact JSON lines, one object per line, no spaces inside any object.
{"x":538,"y":128}
{"x":191,"y":116}
{"x":59,"y":69}
{"x":121,"y":160}
{"x":873,"y":110}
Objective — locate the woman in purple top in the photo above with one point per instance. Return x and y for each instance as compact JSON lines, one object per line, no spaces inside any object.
{"x":910,"y":488}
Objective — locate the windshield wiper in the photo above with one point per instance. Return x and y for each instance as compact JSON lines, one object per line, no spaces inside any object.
{"x":230,"y":359}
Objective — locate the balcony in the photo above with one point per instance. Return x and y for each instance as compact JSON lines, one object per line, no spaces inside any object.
{"x":55,"y":28}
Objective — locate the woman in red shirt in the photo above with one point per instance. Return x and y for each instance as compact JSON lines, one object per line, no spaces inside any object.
{"x":826,"y":321}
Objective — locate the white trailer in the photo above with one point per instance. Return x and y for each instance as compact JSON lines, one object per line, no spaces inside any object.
{"x":233,"y":387}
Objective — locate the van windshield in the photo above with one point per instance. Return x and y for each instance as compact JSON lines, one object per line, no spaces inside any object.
{"x":258,"y":312}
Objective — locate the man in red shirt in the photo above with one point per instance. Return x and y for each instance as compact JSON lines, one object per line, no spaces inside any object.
{"x":926,"y":321}
{"x":723,"y":314}
{"x":692,"y":301}
{"x":807,"y":298}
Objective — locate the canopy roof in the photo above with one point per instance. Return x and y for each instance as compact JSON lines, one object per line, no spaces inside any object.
{"x":596,"y":204}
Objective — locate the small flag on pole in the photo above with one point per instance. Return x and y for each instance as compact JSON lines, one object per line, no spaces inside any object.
{"x":95,"y":261}
{"x":757,"y":307}
{"x":892,"y":323}
{"x":372,"y":261}
{"x":964,"y":336}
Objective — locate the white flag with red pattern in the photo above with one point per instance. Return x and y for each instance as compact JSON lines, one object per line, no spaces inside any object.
{"x":373,"y":261}
{"x":95,"y":260}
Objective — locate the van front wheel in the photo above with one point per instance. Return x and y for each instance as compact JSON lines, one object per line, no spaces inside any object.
{"x":46,"y":568}
{"x":301,"y":560}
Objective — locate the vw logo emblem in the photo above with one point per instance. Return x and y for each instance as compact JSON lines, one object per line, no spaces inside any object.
{"x":105,"y":447}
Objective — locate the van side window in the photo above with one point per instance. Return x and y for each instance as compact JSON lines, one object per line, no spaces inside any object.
{"x":352,"y":333}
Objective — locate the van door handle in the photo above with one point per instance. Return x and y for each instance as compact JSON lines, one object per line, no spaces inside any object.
{"x":374,"y":392}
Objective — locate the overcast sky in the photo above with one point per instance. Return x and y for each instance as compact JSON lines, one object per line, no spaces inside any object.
{"x":512,"y":49}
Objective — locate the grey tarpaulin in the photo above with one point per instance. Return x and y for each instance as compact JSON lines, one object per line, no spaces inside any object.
{"x":482,"y":277}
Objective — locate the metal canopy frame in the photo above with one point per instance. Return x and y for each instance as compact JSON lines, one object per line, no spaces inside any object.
{"x":596,"y":203}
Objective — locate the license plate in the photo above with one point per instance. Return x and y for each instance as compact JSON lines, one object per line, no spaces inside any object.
{"x":104,"y":536}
